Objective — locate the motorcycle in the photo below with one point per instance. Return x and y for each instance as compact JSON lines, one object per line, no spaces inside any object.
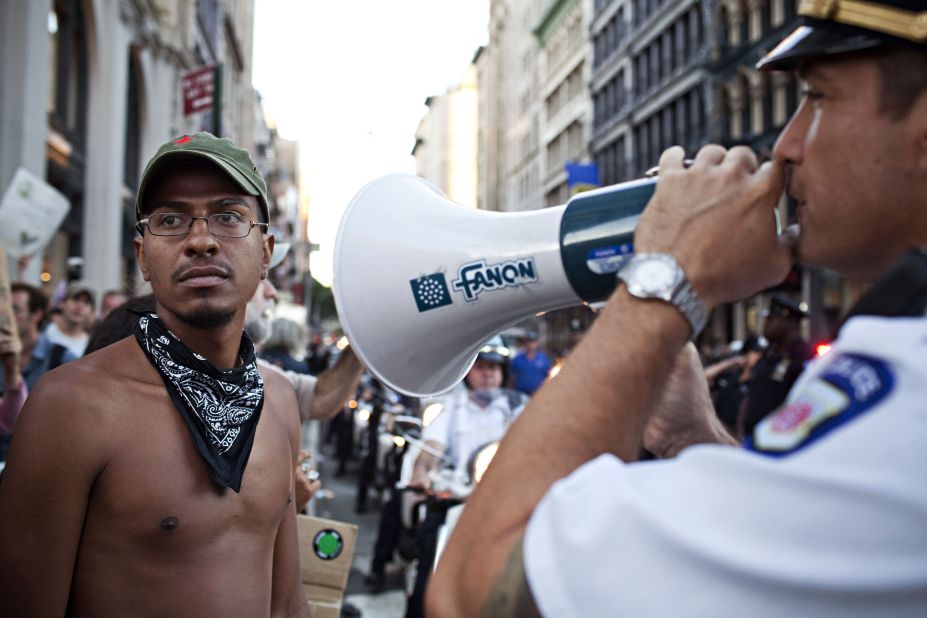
{"x":373,"y":421}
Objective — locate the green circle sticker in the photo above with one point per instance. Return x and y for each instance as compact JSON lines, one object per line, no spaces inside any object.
{"x":328,"y":544}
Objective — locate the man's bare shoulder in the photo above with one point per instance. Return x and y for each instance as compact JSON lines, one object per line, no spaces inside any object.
{"x":80,"y":408}
{"x":92,"y":381}
{"x":279,"y":396}
{"x":275,"y":381}
{"x":114,"y":361}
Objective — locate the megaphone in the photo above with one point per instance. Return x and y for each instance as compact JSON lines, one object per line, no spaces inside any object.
{"x":421,"y":283}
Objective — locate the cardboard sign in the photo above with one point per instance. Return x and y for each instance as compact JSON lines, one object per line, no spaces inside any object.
{"x":30,"y":213}
{"x":326,"y":550}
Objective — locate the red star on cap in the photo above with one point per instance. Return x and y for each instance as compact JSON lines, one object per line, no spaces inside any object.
{"x":184,"y":140}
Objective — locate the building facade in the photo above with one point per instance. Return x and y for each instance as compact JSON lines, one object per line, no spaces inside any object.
{"x":106,"y":75}
{"x":649,"y":87}
{"x":563,"y":39}
{"x":446,"y":140}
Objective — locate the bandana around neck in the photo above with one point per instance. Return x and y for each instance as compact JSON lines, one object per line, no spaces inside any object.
{"x":220,"y":408}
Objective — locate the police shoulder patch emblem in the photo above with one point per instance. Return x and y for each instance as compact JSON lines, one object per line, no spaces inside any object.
{"x":848,"y":386}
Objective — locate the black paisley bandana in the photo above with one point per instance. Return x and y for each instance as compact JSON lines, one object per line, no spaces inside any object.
{"x":220,"y":408}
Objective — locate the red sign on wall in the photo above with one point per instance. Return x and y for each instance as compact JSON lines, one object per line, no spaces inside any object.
{"x":198,"y":87}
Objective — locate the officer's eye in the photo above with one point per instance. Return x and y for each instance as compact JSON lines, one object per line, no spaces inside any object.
{"x":810,"y":93}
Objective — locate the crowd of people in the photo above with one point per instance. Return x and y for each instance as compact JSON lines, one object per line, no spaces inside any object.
{"x":158,"y":467}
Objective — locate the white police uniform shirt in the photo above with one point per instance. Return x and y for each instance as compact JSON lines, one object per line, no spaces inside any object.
{"x":829,"y":518}
{"x":463,"y":426}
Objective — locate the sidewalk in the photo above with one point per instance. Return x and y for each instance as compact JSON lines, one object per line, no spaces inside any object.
{"x":391,"y":602}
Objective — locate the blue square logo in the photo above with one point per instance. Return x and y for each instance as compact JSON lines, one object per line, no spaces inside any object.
{"x":430,"y":292}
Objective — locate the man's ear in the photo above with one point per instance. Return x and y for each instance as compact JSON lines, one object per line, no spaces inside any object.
{"x":140,"y":256}
{"x":268,"y":254}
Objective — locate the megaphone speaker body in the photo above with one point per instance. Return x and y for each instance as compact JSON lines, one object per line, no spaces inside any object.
{"x":421,"y":283}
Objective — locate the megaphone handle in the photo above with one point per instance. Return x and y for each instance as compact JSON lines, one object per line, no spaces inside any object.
{"x":597,"y":235}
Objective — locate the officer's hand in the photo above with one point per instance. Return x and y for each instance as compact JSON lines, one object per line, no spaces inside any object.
{"x":684,"y":414}
{"x":716,"y":218}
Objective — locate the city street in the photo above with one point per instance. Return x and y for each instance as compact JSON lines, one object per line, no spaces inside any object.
{"x":391,"y":601}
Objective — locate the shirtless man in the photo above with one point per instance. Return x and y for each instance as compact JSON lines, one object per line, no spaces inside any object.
{"x":117,"y":499}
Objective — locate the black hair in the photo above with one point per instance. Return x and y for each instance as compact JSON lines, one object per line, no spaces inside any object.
{"x":38,"y":301}
{"x":120,"y":322}
{"x":904,"y":78}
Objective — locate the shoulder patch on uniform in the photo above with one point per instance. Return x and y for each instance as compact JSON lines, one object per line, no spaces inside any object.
{"x":848,"y":386}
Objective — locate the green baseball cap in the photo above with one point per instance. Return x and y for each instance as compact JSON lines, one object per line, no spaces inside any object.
{"x":234,"y":161}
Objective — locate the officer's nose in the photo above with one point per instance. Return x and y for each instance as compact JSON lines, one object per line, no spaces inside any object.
{"x":789,"y":148}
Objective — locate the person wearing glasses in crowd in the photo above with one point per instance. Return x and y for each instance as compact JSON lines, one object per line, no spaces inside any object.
{"x":822,"y":512}
{"x":156,"y":476}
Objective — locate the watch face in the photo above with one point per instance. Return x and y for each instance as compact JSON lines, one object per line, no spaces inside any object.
{"x":655,"y":276}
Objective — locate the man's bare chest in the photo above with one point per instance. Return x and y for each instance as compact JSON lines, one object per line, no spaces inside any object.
{"x":156,"y":489}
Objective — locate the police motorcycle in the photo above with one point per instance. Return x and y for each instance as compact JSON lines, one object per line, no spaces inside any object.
{"x":476,"y":414}
{"x":476,"y":467}
{"x":399,"y":540}
{"x":447,"y":496}
{"x":377,"y":450}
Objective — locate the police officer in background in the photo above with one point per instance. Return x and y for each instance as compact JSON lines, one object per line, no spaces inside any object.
{"x":473,"y":416}
{"x":782,"y":362}
{"x":821,"y":513}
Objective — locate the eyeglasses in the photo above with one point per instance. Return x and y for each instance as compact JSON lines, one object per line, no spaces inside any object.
{"x":225,"y":224}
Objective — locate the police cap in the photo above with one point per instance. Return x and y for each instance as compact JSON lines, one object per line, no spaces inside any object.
{"x":494,"y":351}
{"x":831,"y":27}
{"x":784,"y":307}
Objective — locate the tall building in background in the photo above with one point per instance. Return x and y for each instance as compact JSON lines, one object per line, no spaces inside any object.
{"x":446,"y":140}
{"x":110,"y":74}
{"x":650,"y":85}
{"x":566,"y":107}
{"x":520,"y":149}
{"x":224,"y":37}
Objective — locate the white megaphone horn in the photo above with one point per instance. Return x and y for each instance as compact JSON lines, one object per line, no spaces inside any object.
{"x":421,"y":283}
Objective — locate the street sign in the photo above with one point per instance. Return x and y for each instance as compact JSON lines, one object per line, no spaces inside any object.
{"x":198,"y":86}
{"x":30,"y":213}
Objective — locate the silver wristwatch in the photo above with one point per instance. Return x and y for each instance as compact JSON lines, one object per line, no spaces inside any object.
{"x":658,"y":276}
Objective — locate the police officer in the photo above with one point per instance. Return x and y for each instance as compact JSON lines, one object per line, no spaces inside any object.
{"x":822,"y":513}
{"x":781,"y":364}
{"x":473,"y":416}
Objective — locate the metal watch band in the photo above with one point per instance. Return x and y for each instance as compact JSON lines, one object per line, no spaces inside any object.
{"x":682,"y":296}
{"x":691,"y":306}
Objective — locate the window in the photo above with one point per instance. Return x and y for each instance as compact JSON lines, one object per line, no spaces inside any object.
{"x":620,"y":170}
{"x":655,"y":140}
{"x":669,"y":128}
{"x":697,"y":114}
{"x":654,"y":52}
{"x":620,"y":92}
{"x":643,"y":148}
{"x":683,"y":134}
{"x":69,"y":82}
{"x":695,"y":29}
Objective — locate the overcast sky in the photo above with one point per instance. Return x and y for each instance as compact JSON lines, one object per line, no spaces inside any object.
{"x":348,"y":80}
